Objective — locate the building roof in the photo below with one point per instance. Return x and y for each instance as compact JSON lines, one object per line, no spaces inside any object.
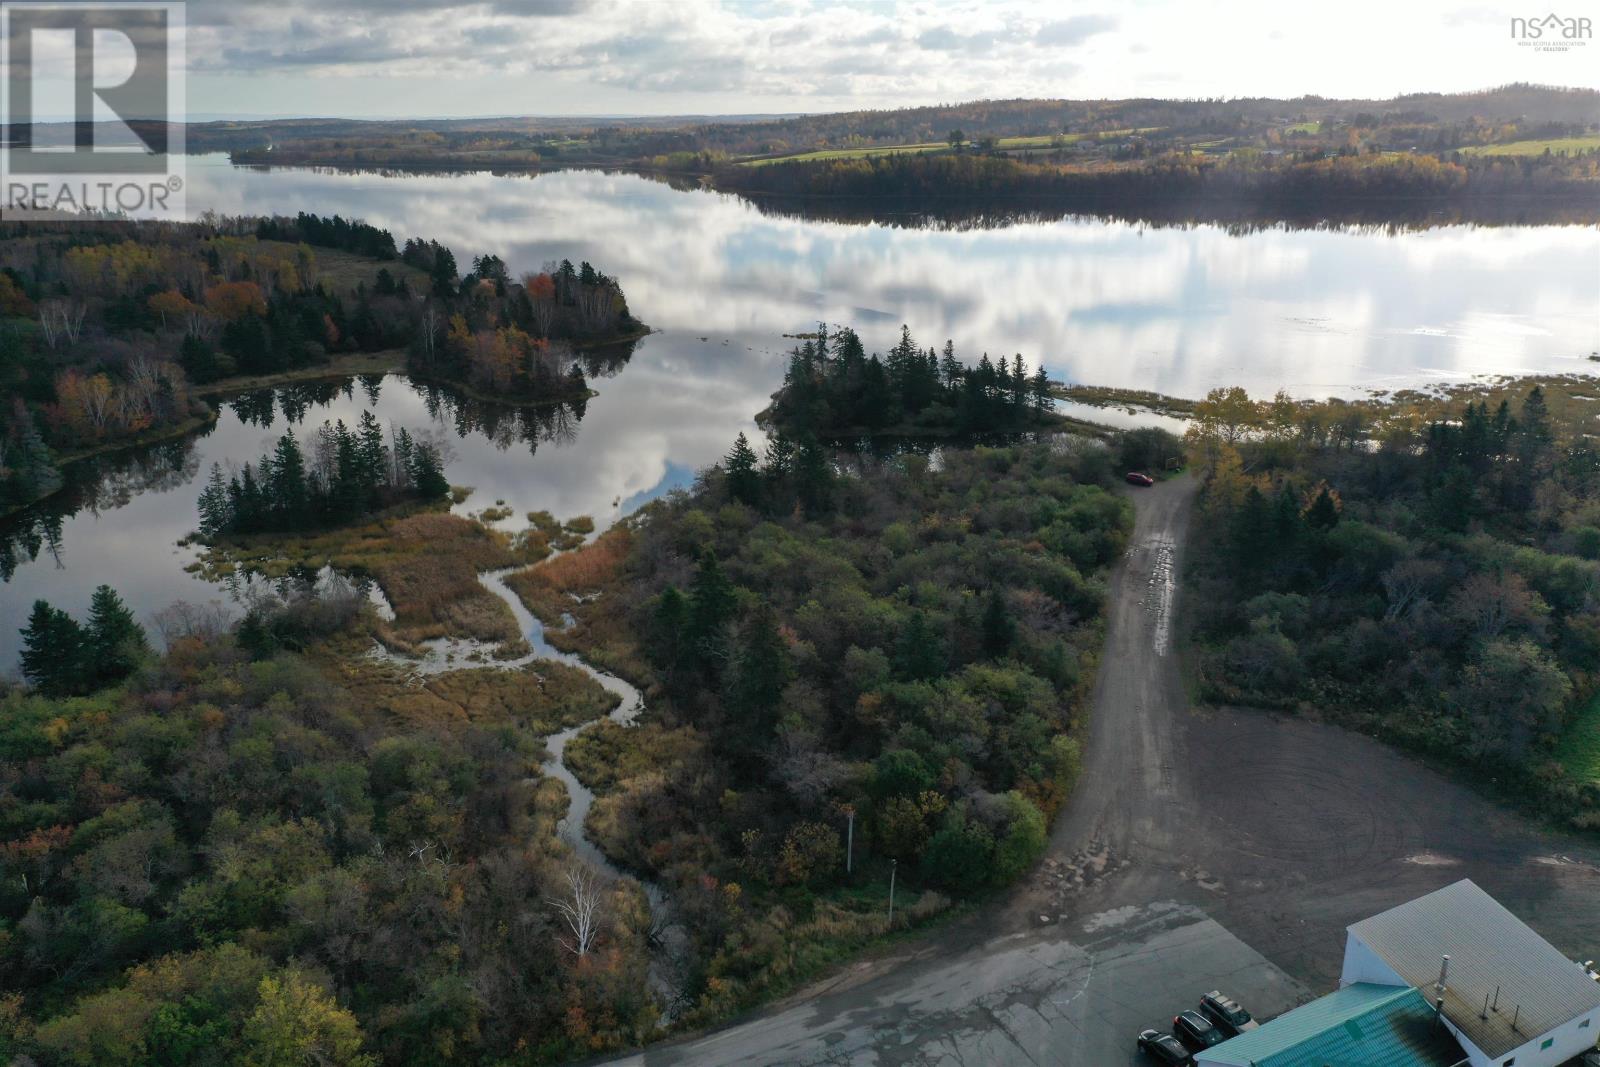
{"x":1490,"y":949}
{"x":1361,"y":1025}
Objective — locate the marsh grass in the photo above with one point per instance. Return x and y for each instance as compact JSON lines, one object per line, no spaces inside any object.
{"x":541,"y":698}
{"x":426,"y":562}
{"x":600,"y":632}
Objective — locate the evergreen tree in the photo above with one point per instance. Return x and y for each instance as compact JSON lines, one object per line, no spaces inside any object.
{"x":760,"y":672}
{"x":426,"y":475}
{"x":744,"y":483}
{"x":950,"y":367}
{"x":53,"y":651}
{"x":919,"y":654}
{"x":287,"y":494}
{"x":371,"y":456}
{"x":999,"y":628}
{"x":669,"y":626}
{"x":216,"y":514}
{"x":1323,"y":514}
{"x":114,"y":643}
{"x":814,"y":479}
{"x":1043,"y":401}
{"x":711,"y":603}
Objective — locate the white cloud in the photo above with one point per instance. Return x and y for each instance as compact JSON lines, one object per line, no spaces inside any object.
{"x":701,"y":56}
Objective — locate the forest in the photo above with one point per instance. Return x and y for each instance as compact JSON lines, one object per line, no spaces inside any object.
{"x":1426,"y":122}
{"x":832,"y":389}
{"x":846,"y":674}
{"x":1176,"y":186}
{"x":240,"y":855}
{"x":251,"y":849}
{"x":109,"y":335}
{"x":1426,"y":573}
{"x":352,"y":474}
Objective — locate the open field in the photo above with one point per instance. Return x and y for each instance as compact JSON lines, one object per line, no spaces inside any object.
{"x":1560,"y":146}
{"x":1039,"y":140}
{"x":1580,"y":749}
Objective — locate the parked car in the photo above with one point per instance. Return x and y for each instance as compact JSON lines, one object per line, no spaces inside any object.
{"x":1196,"y":1031}
{"x":1164,"y":1049}
{"x":1226,"y":1013}
{"x":1140,"y":478}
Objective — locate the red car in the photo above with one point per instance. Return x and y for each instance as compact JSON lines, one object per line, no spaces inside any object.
{"x":1140,"y":478}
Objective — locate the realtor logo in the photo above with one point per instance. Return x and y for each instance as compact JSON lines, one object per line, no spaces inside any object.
{"x":93,"y":106}
{"x":1552,"y":33}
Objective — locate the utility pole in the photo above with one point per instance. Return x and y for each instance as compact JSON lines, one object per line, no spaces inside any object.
{"x":892,"y":865}
{"x":850,"y":840}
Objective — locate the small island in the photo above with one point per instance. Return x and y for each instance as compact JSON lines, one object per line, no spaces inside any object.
{"x":113,"y":336}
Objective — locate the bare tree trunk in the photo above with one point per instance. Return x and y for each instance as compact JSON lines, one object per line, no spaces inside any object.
{"x":582,"y":911}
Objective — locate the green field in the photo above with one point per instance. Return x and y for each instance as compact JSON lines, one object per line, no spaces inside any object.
{"x":1304,"y":127}
{"x":1040,"y":140}
{"x":1560,"y":146}
{"x":848,"y":153}
{"x":1579,"y":751}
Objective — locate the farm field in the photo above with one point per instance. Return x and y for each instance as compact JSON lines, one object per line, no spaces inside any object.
{"x":1561,"y":146}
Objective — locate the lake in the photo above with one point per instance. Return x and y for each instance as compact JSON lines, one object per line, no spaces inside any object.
{"x":1174,"y":309}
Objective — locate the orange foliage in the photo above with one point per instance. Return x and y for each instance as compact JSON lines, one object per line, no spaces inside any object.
{"x":590,"y":566}
{"x":171,"y":305}
{"x":231,"y":301}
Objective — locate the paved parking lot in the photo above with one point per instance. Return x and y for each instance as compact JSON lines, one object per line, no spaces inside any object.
{"x":1074,"y":994}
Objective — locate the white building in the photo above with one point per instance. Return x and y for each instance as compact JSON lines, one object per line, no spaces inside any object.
{"x":1509,"y":996}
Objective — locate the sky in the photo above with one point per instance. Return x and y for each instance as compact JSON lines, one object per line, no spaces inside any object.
{"x":412,"y":58}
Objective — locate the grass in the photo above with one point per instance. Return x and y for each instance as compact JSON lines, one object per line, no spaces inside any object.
{"x":391,"y":361}
{"x":1561,"y":146}
{"x":600,"y":632}
{"x":427,"y":564}
{"x":1037,"y":140}
{"x":1558,"y":146}
{"x":543,"y":697}
{"x":344,"y":271}
{"x":1314,"y":126}
{"x":1579,"y":751}
{"x":610,"y":754}
{"x":1111,"y":396}
{"x":849,"y":153}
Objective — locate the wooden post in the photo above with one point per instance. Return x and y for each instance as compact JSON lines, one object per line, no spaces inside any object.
{"x":892,"y":865}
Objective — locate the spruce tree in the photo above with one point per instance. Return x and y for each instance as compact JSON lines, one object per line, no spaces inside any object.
{"x":744,"y":484}
{"x":286,"y":484}
{"x":427,"y":479}
{"x":999,"y":629}
{"x":760,"y":672}
{"x":114,"y":643}
{"x":919,"y":654}
{"x":711,"y":603}
{"x":53,"y":651}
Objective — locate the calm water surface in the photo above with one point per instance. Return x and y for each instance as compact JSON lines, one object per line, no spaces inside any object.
{"x":1177,"y":310}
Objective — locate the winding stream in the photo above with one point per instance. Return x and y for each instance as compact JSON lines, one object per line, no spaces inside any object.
{"x":447,"y":654}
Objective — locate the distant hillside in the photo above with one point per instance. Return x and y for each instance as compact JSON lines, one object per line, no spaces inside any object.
{"x":580,"y":139}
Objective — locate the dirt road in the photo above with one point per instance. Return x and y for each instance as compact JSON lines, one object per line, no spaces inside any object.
{"x":1221,"y":848}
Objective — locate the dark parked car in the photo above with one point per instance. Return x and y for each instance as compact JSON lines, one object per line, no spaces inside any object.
{"x":1196,"y":1031}
{"x":1164,"y":1048}
{"x":1140,"y":478}
{"x":1229,"y":1017}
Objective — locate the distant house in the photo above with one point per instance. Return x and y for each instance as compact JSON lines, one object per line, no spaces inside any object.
{"x":1508,"y":995}
{"x":1365,"y":1023}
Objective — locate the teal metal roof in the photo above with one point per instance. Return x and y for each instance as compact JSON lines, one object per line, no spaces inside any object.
{"x":1361,"y":1025}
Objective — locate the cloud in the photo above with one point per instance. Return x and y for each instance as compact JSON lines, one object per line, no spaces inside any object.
{"x":1074,"y":30}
